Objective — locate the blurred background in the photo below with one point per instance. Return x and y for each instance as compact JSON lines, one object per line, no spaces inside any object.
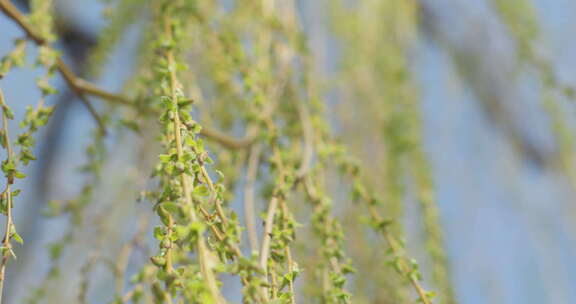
{"x":497,"y":123}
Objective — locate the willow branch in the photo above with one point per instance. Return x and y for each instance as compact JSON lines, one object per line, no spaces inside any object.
{"x":308,"y":151}
{"x":265,"y":250}
{"x":228,"y":141}
{"x":6,"y":246}
{"x":249,"y":210}
{"x":288,"y":253}
{"x":270,"y":214}
{"x":312,"y":193}
{"x":402,"y":264}
{"x":7,"y":195}
{"x":71,"y":80}
{"x":91,"y":89}
{"x":119,"y":268}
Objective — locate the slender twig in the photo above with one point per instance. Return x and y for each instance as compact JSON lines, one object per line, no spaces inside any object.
{"x":273,"y":283}
{"x":7,"y":195}
{"x":249,"y":209}
{"x":85,"y":270}
{"x":288,"y":254}
{"x":93,"y":90}
{"x":217,"y":202}
{"x":311,"y":190}
{"x":247,"y":141}
{"x":71,"y":80}
{"x":313,"y":196}
{"x":119,"y":268}
{"x":265,"y":250}
{"x":402,"y":264}
{"x":271,"y":212}
{"x":6,"y":240}
{"x":274,"y":201}
{"x":308,"y":151}
{"x":227,"y":141}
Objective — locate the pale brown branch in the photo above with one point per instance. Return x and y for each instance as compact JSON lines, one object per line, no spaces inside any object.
{"x":227,"y":141}
{"x":404,"y":267}
{"x":71,"y":80}
{"x":308,"y":151}
{"x":289,"y":260}
{"x":93,"y":90}
{"x":214,"y":198}
{"x":127,"y":297}
{"x":7,"y":195}
{"x":265,"y":250}
{"x":249,"y":210}
{"x":119,"y":268}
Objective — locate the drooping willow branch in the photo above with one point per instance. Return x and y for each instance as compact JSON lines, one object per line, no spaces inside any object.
{"x":35,"y":118}
{"x":249,"y":210}
{"x":203,"y":254}
{"x":6,"y":195}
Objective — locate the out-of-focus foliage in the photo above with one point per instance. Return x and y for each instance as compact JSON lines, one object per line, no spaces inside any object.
{"x":226,"y":122}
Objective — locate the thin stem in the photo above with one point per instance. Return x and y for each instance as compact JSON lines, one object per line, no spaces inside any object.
{"x":6,"y":241}
{"x":308,"y":151}
{"x":124,"y":255}
{"x":288,"y":254}
{"x":265,"y":251}
{"x":311,"y":192}
{"x":272,"y":209}
{"x":218,"y":203}
{"x":396,"y":250}
{"x":273,"y":283}
{"x":7,"y":195}
{"x":290,"y":263}
{"x":249,"y":210}
{"x":71,"y":80}
{"x":227,"y":141}
{"x":128,"y":295}
{"x":91,"y":89}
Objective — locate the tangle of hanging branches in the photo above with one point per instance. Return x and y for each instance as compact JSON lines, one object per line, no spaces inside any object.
{"x":224,"y":170}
